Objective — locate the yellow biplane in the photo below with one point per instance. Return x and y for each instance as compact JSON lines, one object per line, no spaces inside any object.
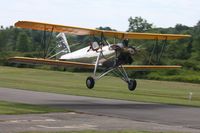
{"x":114,"y":58}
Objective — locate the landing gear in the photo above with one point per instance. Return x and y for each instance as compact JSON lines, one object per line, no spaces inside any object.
{"x":116,"y":67}
{"x":132,"y":85}
{"x":90,"y":82}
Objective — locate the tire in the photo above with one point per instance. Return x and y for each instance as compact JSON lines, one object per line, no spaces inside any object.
{"x":132,"y":85}
{"x":90,"y":82}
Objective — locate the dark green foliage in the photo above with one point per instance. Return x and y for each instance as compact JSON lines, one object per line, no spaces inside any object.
{"x":180,"y":27}
{"x":138,"y":24}
{"x":196,"y":40}
{"x":105,"y":28}
{"x":23,"y":42}
{"x":175,"y":75}
{"x":172,"y":72}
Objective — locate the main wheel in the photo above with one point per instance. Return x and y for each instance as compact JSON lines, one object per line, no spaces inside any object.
{"x":132,"y":85}
{"x":90,"y":82}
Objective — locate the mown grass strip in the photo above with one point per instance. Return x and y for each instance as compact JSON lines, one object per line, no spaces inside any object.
{"x":108,"y":87}
{"x":9,"y":108}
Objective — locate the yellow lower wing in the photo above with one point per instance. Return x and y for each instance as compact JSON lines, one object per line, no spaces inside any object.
{"x":148,"y":67}
{"x":27,"y":60}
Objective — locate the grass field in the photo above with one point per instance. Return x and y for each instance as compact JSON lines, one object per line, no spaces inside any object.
{"x":108,"y":87}
{"x":18,"y":108}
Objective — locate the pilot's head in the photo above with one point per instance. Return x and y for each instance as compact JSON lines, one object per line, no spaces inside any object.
{"x":125,"y":42}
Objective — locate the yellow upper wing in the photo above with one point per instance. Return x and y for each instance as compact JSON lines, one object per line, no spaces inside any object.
{"x":87,"y":31}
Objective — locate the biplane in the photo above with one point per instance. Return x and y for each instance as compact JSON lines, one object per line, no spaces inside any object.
{"x":105,"y":57}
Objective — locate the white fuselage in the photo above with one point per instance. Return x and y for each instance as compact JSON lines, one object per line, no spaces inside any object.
{"x":85,"y":53}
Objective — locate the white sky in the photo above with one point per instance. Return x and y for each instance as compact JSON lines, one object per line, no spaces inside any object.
{"x":95,"y":13}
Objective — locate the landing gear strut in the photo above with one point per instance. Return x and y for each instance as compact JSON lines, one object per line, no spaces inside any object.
{"x":90,"y":82}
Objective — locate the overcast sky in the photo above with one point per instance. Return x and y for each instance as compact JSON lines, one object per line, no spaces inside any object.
{"x":95,"y":13}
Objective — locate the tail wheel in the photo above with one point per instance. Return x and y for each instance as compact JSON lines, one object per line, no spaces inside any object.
{"x":90,"y":82}
{"x":132,"y":85}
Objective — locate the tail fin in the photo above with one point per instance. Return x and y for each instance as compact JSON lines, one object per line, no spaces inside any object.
{"x":63,"y":43}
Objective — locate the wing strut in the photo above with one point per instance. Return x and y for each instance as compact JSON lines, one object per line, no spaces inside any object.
{"x":49,"y":42}
{"x":46,"y":43}
{"x":157,"y":52}
{"x":162,"y":49}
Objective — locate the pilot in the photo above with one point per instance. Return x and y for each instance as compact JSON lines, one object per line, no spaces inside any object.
{"x":125,"y":42}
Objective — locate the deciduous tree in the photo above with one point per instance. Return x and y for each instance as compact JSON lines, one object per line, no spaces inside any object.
{"x":138,"y":24}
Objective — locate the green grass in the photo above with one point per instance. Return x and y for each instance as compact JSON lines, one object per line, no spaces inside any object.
{"x":18,"y":108}
{"x":107,"y":87}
